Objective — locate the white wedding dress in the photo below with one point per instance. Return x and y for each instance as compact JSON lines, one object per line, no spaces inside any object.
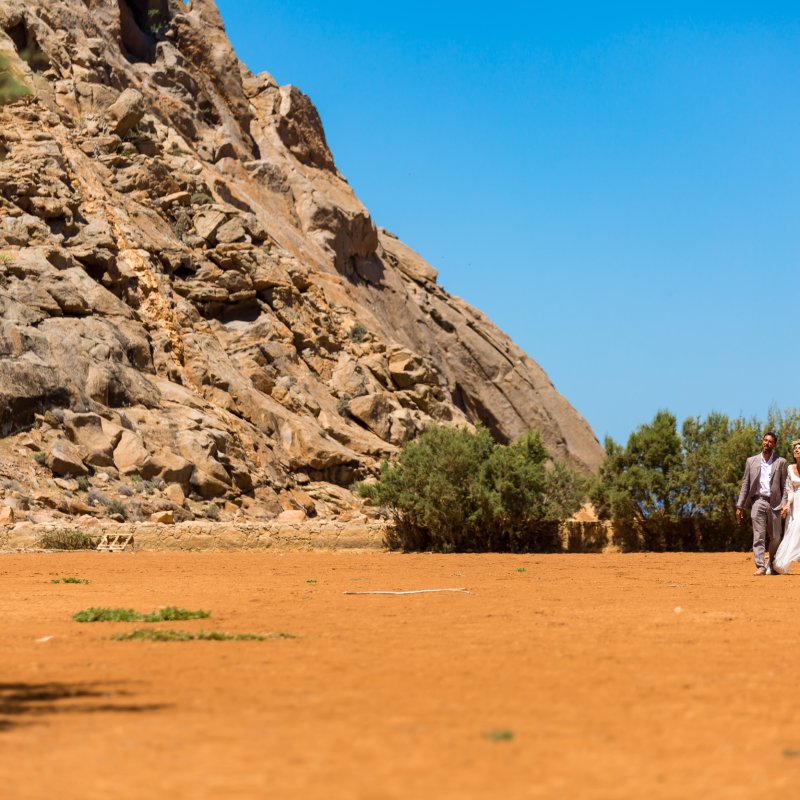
{"x":789,"y":549}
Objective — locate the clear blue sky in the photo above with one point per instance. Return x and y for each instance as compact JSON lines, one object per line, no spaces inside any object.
{"x":617,"y":186}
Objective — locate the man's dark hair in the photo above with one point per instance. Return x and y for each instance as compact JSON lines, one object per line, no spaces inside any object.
{"x":772,"y":434}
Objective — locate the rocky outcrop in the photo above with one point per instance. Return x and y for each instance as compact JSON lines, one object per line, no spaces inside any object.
{"x":193,"y":300}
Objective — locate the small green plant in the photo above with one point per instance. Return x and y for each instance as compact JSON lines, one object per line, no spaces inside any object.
{"x":40,"y":458}
{"x":201,"y":198}
{"x":156,"y":635}
{"x":83,"y":483}
{"x":11,"y":86}
{"x":499,"y":735}
{"x":127,"y":151}
{"x":157,"y":25}
{"x":520,"y":569}
{"x":66,"y":539}
{"x":6,"y":260}
{"x":168,"y":614}
{"x":358,"y":332}
{"x":311,"y":580}
{"x":69,"y":580}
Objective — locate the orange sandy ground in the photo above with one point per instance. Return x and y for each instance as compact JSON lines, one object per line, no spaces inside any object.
{"x":607,"y":689}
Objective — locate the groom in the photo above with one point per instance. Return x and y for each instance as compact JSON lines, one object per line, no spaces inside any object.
{"x":763,"y":487}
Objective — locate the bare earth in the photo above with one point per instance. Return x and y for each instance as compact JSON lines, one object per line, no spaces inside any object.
{"x":576,"y":676}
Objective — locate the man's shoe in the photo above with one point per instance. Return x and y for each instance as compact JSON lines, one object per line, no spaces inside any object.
{"x":760,"y":571}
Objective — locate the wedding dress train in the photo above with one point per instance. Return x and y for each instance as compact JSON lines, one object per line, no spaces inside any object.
{"x":789,"y":549}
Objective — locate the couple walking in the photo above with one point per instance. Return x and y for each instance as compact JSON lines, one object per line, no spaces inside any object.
{"x":771,"y":490}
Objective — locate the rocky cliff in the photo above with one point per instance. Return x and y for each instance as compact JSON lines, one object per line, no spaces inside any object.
{"x":199,"y":317}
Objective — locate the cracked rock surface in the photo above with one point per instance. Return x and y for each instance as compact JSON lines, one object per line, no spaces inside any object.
{"x":197,"y":314}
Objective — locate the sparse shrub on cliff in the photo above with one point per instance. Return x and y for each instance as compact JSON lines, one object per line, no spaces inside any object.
{"x":343,"y":406}
{"x":11,"y":86}
{"x":117,"y":507}
{"x":454,"y":490}
{"x":358,"y":332}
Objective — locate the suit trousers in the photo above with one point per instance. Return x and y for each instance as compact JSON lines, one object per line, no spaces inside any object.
{"x":766,"y":527}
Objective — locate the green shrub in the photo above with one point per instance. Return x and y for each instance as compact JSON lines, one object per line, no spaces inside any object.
{"x":455,"y":490}
{"x":66,"y":539}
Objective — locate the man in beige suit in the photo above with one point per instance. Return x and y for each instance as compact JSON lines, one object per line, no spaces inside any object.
{"x":763,"y":489}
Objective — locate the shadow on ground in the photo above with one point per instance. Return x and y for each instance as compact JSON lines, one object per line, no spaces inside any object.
{"x":19,"y":701}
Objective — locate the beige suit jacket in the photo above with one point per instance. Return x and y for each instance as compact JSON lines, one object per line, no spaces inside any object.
{"x":751,"y":483}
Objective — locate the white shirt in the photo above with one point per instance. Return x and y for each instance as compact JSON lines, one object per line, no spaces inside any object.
{"x":766,"y":474}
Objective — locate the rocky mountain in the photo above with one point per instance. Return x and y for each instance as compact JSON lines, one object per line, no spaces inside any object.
{"x":192,"y":298}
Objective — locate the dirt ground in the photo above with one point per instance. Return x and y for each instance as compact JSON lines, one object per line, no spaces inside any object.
{"x":574,"y":676}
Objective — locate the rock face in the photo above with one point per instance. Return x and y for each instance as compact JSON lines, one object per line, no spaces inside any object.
{"x":192,"y":296}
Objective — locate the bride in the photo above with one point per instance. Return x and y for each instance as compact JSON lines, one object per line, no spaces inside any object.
{"x":789,"y":549}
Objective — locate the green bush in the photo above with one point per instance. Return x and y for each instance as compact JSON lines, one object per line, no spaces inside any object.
{"x":452,"y":490}
{"x":11,"y":86}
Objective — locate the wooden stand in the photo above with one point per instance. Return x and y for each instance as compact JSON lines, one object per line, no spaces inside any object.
{"x":115,"y":542}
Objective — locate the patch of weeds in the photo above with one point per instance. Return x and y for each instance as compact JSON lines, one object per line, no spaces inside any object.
{"x":96,"y":497}
{"x":12,"y":87}
{"x":499,"y":735}
{"x":136,"y":512}
{"x":358,"y":332}
{"x":212,"y":511}
{"x":520,"y":569}
{"x":69,"y":580}
{"x":156,"y":635}
{"x":168,"y":614}
{"x":311,"y":580}
{"x":126,"y":491}
{"x":83,"y":483}
{"x":40,"y":458}
{"x":201,"y":198}
{"x":117,"y":507}
{"x":66,"y":539}
{"x":6,"y":260}
{"x":126,"y":151}
{"x":173,"y":613}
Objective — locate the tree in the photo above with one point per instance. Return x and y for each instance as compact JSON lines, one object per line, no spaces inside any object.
{"x":715,"y":451}
{"x":452,"y":489}
{"x":644,"y":479}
